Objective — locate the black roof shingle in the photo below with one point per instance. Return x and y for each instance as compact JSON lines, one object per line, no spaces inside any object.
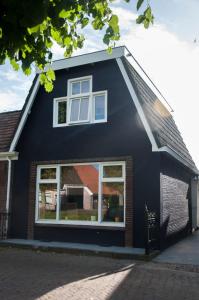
{"x":159,"y":118}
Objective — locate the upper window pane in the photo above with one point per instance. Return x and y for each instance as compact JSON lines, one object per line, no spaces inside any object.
{"x":62,"y":112}
{"x":85,"y":88}
{"x":99,"y":107}
{"x":74,"y":116}
{"x":48,"y":173}
{"x":114,"y":171}
{"x":76,"y":88}
{"x":79,"y":192}
{"x":83,"y":116}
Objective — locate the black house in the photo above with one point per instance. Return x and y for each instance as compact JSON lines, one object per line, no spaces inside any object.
{"x":80,"y":164}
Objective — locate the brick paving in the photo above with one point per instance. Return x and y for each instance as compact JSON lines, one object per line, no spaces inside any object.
{"x":26,"y":274}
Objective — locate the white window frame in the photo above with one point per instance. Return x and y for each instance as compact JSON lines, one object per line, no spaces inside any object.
{"x":91,"y":106}
{"x":105,"y":93}
{"x":55,"y":111}
{"x":79,"y":79}
{"x":41,"y":181}
{"x":70,"y":107}
{"x":99,"y":222}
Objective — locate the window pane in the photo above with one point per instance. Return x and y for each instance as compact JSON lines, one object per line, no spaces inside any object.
{"x":112,"y":171}
{"x":62,"y":111}
{"x":113,"y":202}
{"x":84,"y":109}
{"x":47,"y":200}
{"x":75,"y":88}
{"x":99,"y":107}
{"x":79,"y":192}
{"x":85,"y":86}
{"x":48,"y":173}
{"x":75,"y":110}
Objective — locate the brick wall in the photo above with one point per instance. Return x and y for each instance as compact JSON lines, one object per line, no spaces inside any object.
{"x":175,"y":204}
{"x":3,"y":184}
{"x":129,"y":194}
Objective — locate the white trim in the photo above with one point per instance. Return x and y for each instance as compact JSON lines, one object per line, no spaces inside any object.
{"x":79,"y":79}
{"x":91,"y":105}
{"x":134,"y":63}
{"x":88,"y":223}
{"x":55,"y":111}
{"x":87,"y":59}
{"x":25,"y":115}
{"x":105,"y":93}
{"x":100,"y":182}
{"x":137,"y":105}
{"x":80,"y":98}
{"x":8,"y":186}
{"x":4,"y":156}
{"x":174,"y":154}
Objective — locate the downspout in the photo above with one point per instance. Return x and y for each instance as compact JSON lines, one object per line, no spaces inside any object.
{"x":8,"y":193}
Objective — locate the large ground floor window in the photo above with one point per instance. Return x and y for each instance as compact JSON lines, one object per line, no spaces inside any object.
{"x":88,"y":193}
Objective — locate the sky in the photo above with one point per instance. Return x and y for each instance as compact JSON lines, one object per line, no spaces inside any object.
{"x":168,"y":51}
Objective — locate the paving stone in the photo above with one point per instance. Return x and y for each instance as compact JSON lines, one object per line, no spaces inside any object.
{"x":26,"y":274}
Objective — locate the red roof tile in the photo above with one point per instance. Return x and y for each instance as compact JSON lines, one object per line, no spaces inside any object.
{"x":8,"y":124}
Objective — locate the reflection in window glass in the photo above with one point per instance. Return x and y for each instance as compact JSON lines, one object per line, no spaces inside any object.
{"x":48,"y":173}
{"x":47,"y":200}
{"x":74,"y":110}
{"x":99,"y":107}
{"x":75,"y":88}
{"x":62,"y":112}
{"x":113,"y":201}
{"x":112,"y":171}
{"x":84,"y":109}
{"x":85,"y":86}
{"x":79,"y":192}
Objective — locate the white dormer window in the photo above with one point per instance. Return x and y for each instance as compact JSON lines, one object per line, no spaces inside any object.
{"x":81,"y":105}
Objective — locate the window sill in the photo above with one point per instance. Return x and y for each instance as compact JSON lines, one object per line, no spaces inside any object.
{"x":111,"y":226}
{"x":78,"y":123}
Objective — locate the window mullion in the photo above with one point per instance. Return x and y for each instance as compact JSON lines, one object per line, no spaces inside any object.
{"x":100,"y":195}
{"x":58,"y":194}
{"x":80,"y":101}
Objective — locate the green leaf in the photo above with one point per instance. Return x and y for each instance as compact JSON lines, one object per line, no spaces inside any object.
{"x":67,"y":41}
{"x":34,"y":29}
{"x":140,"y":19}
{"x":42,"y":78}
{"x":48,"y":86}
{"x":85,"y":22}
{"x":50,"y":74}
{"x":109,"y":50}
{"x":148,"y":13}
{"x":146,"y":23}
{"x":14,"y":64}
{"x":139,"y":4}
{"x":64,"y":14}
{"x":1,"y":34}
{"x":27,"y":71}
{"x":113,"y":23}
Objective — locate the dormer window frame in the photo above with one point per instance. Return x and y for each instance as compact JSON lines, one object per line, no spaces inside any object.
{"x":86,"y":108}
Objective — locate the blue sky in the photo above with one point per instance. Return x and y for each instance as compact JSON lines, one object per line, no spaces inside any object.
{"x":166,"y":51}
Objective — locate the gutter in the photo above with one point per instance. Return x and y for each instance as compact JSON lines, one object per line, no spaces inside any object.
{"x":178,"y":157}
{"x":4,"y":156}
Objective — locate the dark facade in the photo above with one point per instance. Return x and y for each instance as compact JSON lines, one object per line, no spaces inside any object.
{"x":122,"y":136}
{"x":152,"y":178}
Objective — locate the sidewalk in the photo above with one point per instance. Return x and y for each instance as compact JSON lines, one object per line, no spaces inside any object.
{"x":111,"y":251}
{"x":184,"y":252}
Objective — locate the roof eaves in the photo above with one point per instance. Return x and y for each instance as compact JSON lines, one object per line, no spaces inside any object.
{"x":178,"y":157}
{"x":88,"y":58}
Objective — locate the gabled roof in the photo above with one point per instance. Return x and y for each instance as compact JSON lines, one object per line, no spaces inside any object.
{"x":156,"y":118}
{"x":159,"y":118}
{"x":8,"y":124}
